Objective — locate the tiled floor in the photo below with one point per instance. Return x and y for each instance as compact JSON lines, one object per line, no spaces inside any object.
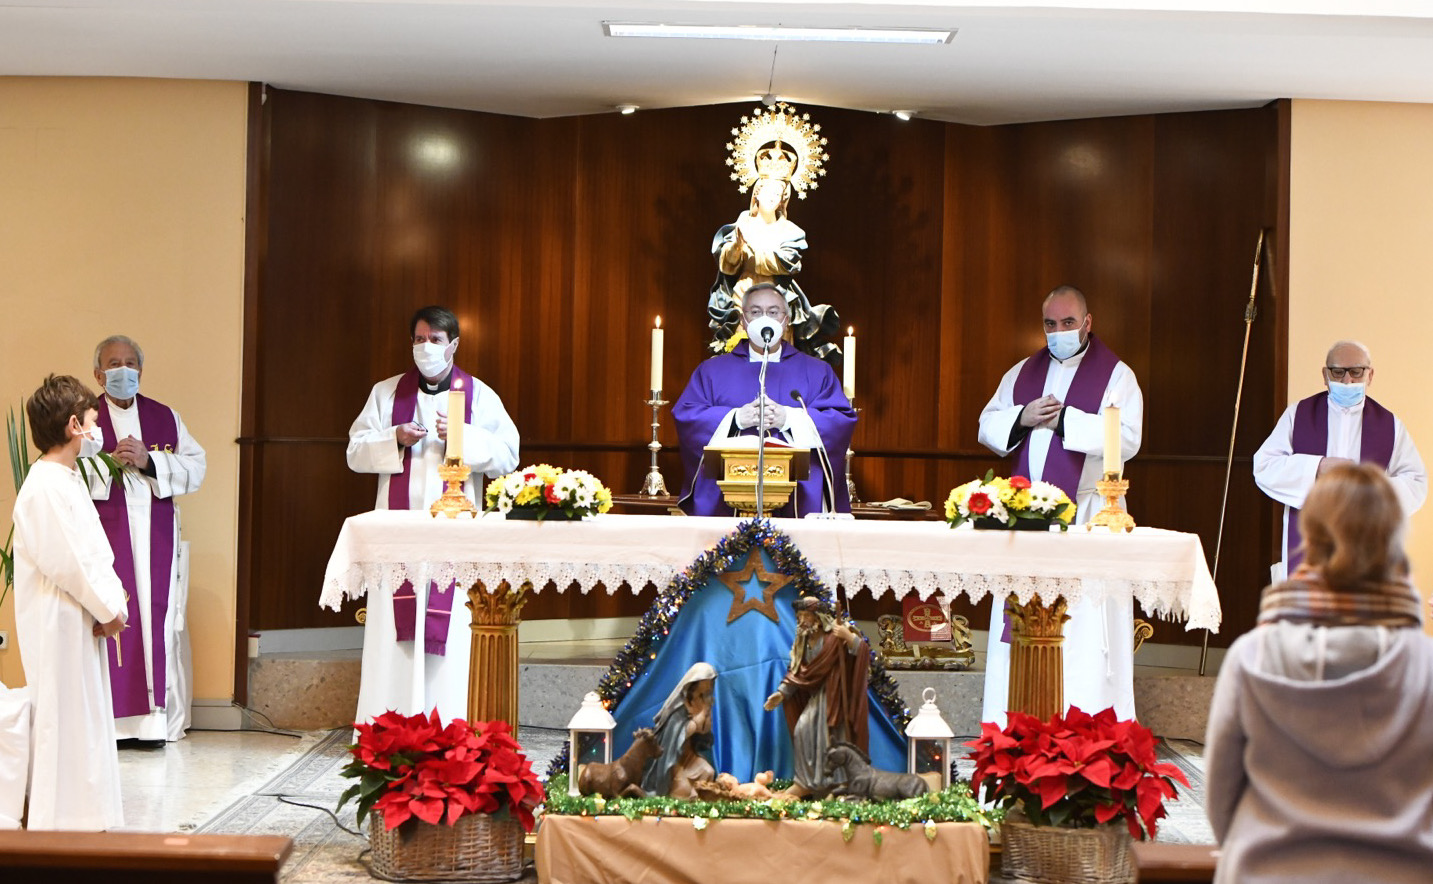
{"x":233,"y":782}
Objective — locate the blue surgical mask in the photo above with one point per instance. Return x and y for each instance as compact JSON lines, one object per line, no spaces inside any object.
{"x":1063,"y":344}
{"x":122,"y":382}
{"x":1345,"y":395}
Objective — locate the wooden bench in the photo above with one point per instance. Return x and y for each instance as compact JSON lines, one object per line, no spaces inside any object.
{"x":140,"y":857}
{"x":1184,"y":863}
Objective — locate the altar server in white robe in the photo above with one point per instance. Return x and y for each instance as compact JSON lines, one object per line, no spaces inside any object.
{"x":154,"y":688}
{"x":416,"y":635}
{"x":1342,"y":424}
{"x":67,"y":601}
{"x":1048,"y":411}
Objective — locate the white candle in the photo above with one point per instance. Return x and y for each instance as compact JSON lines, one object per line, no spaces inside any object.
{"x":456,"y":408}
{"x":848,"y":375}
{"x":1113,"y":463}
{"x":657,"y":355}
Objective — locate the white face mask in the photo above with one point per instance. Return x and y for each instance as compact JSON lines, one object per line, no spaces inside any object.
{"x":431,"y":359}
{"x":755,"y":329}
{"x":1063,"y":344}
{"x":122,"y":382}
{"x":91,"y":441}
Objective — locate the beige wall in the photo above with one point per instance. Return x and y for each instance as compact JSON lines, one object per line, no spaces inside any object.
{"x":123,"y":212}
{"x":1361,"y":258}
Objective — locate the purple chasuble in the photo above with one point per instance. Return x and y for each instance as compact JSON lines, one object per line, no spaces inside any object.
{"x":405,"y":599}
{"x":129,"y":687}
{"x":729,"y":381}
{"x":1063,"y":467}
{"x":1311,"y":436}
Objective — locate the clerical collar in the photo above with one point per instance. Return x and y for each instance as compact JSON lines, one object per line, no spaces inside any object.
{"x":753,"y":356}
{"x":434,"y":389}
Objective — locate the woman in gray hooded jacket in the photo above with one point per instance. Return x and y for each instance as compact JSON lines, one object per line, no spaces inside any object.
{"x":1319,"y":752}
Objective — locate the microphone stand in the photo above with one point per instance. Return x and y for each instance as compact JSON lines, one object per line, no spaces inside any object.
{"x":828,"y":488}
{"x":761,"y":426}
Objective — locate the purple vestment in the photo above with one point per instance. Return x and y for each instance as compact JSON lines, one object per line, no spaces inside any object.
{"x":405,"y":600}
{"x":129,"y":688}
{"x":1311,"y":436}
{"x":730,"y":381}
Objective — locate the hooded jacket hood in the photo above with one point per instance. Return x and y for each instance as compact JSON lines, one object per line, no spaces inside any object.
{"x":1345,"y":695}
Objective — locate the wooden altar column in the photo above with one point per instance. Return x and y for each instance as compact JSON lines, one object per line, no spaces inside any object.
{"x":1037,"y":657}
{"x":493,"y":660}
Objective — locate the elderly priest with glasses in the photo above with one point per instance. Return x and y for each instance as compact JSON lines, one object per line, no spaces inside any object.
{"x":805,"y":407}
{"x":1340,"y":425}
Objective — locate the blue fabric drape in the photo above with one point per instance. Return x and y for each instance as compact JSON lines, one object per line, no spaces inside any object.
{"x":751,"y":654}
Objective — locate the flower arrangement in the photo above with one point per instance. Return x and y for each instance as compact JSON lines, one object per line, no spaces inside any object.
{"x":1008,"y":501}
{"x":544,"y":488}
{"x":411,"y":766}
{"x":1075,"y":771}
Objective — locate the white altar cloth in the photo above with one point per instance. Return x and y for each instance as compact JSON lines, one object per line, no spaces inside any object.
{"x":1164,"y":571}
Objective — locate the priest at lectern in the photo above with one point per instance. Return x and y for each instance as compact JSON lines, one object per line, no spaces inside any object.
{"x":805,"y":407}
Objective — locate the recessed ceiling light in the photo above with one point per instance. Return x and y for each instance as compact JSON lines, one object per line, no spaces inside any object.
{"x":627,"y":109}
{"x":927,"y":36}
{"x":904,"y":115}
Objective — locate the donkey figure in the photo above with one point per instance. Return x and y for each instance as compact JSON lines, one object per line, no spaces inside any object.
{"x":623,"y":777}
{"x":864,"y":781}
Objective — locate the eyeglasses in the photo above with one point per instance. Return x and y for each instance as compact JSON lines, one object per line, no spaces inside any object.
{"x":1353,"y":372}
{"x":776,"y":313}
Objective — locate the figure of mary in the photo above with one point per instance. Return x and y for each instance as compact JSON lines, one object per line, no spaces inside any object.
{"x":684,"y":731}
{"x":763,"y":245}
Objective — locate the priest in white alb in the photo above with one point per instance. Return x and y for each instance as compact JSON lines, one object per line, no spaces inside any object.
{"x":1339,"y":425}
{"x":1047,"y":411}
{"x":68,"y":600}
{"x":416,"y":634}
{"x":151,"y":666}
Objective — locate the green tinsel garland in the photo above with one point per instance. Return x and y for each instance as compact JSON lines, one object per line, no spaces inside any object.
{"x":954,"y":804}
{"x":641,"y":649}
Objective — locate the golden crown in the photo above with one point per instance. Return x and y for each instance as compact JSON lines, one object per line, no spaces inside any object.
{"x":777,"y":143}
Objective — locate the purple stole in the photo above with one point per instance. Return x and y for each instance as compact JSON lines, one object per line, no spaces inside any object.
{"x":128,"y":685}
{"x":1311,"y":436}
{"x":1087,"y":392}
{"x":405,"y":598}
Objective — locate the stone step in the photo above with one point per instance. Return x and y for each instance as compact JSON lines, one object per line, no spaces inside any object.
{"x":319,"y":689}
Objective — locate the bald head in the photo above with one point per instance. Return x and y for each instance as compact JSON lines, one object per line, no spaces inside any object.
{"x":1348,"y":362}
{"x":1068,"y":291}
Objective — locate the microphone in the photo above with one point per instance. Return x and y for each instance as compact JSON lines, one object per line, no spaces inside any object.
{"x":828,"y":488}
{"x":767,"y":334}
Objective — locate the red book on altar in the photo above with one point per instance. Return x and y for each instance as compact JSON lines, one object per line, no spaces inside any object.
{"x":923,"y":621}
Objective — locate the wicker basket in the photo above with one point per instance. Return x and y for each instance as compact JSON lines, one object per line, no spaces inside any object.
{"x":477,"y":847}
{"x":1052,"y":855}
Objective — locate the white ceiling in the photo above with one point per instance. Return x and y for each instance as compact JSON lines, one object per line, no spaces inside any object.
{"x":1008,"y":62}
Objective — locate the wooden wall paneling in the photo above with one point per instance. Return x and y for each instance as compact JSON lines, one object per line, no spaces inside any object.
{"x":556,"y":241}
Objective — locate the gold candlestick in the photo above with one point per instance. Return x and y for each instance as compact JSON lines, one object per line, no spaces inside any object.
{"x":850,"y":456}
{"x":453,"y":472}
{"x":1112,"y":487}
{"x":654,"y":486}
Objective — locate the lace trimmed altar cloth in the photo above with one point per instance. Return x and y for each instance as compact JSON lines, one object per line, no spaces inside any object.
{"x":1164,"y":571}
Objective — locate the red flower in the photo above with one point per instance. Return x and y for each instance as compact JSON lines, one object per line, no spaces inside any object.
{"x":414,"y":766}
{"x":979,"y":503}
{"x":1019,"y":483}
{"x":550,"y":493}
{"x":1077,"y":770}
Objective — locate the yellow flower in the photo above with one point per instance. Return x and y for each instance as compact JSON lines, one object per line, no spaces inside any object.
{"x":1020,"y":500}
{"x":528,"y":494}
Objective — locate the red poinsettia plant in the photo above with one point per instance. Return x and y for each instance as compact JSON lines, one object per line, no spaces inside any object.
{"x":412,"y":766}
{"x":1077,"y":770}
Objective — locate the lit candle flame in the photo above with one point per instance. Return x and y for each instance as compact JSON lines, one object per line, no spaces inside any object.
{"x":659,"y":322}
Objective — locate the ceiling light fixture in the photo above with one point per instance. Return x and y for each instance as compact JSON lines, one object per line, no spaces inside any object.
{"x":920,"y":36}
{"x":904,"y":115}
{"x":627,"y":109}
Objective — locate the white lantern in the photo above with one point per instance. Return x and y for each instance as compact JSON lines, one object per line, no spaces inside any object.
{"x":928,"y":743}
{"x":589,"y":737}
